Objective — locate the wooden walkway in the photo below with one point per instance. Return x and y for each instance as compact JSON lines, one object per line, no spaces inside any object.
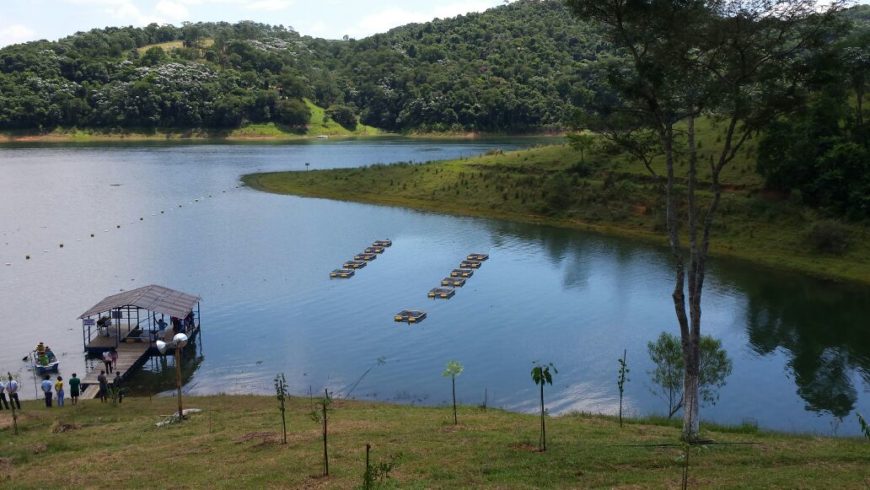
{"x":130,"y":356}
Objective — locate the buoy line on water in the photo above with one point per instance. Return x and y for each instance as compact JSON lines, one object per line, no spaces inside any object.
{"x":60,"y":244}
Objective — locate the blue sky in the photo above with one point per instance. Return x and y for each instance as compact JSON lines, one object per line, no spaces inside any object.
{"x":28,"y":20}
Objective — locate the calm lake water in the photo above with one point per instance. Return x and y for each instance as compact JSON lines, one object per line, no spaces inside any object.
{"x":801,"y":347}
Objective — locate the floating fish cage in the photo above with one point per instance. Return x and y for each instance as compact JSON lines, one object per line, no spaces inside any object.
{"x":366,"y":257}
{"x":354,"y":264}
{"x":382,"y":243}
{"x":478,"y":257}
{"x":410,"y":316}
{"x":453,"y":282}
{"x":442,"y":293}
{"x":374,"y":250}
{"x":470,"y":264}
{"x":466,"y":273}
{"x":342,"y":273}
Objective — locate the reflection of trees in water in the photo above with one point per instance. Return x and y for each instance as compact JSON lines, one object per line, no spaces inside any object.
{"x":577,"y":250}
{"x":823,"y":327}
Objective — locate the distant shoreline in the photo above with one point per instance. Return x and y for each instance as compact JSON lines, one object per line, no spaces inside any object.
{"x":241,"y":135}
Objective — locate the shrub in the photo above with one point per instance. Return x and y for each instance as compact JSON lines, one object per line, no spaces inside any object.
{"x":828,"y":236}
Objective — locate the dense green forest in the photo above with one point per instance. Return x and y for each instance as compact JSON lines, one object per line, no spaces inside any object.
{"x":512,"y":68}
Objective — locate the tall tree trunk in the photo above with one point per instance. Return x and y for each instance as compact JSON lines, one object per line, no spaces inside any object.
{"x":691,"y":338}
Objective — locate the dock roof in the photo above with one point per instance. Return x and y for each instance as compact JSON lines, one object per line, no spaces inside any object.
{"x":152,"y":298}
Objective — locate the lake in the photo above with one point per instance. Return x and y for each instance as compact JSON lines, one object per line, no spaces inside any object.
{"x":800,"y":346}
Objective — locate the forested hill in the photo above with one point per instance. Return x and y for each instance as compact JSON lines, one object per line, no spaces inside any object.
{"x":511,"y":68}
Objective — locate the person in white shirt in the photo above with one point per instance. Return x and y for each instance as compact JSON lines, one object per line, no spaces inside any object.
{"x":3,"y":402}
{"x":12,"y":391}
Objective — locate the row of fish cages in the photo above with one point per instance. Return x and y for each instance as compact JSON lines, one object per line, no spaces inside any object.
{"x":360,"y":260}
{"x":449,"y":284}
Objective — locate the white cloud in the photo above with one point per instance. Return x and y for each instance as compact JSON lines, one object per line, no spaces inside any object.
{"x":173,"y":11}
{"x":16,"y":33}
{"x":387,"y":19}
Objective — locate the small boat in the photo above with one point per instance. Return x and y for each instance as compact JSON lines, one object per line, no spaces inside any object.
{"x":322,"y":137}
{"x":470,"y":264}
{"x":355,"y":264}
{"x":478,"y":257}
{"x":453,"y":282}
{"x":44,"y":363}
{"x":342,"y":273}
{"x":442,"y":293}
{"x":382,"y":243}
{"x":410,"y":316}
{"x":466,"y":273}
{"x":374,"y":250}
{"x":365,"y":256}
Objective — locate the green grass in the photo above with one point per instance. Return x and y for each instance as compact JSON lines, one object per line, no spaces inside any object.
{"x":319,"y":124}
{"x":235,"y":443}
{"x":606,"y":193}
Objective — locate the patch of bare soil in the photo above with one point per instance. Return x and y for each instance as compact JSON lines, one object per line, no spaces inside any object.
{"x":58,"y":427}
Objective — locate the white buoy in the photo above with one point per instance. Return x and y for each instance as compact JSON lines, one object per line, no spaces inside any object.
{"x":8,"y":263}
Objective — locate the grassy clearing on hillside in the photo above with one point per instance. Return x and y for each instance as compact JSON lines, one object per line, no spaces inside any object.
{"x":235,"y":443}
{"x":605,"y":193}
{"x":171,"y":45}
{"x":319,"y":124}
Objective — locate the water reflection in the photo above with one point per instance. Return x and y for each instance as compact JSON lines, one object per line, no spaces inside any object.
{"x":818,"y":328}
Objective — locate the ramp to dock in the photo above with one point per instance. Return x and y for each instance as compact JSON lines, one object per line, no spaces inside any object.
{"x":130,"y":355}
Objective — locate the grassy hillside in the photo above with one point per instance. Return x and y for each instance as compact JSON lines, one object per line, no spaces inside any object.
{"x":604,"y":193}
{"x":235,"y":443}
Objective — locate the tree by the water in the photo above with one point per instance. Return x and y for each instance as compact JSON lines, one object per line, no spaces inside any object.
{"x":738,"y":61}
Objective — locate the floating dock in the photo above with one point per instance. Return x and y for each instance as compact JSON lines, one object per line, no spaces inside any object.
{"x":410,"y":316}
{"x":466,"y":273}
{"x":442,"y":293}
{"x":365,"y":256}
{"x":478,"y":257}
{"x":355,"y":264}
{"x":342,"y":273}
{"x":470,"y":264}
{"x":374,"y":250}
{"x":382,"y":243}
{"x":132,"y":328}
{"x":453,"y":282}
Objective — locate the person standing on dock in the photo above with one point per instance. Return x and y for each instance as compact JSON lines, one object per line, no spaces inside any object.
{"x":12,"y":391}
{"x":116,"y":385}
{"x":74,"y":384}
{"x":107,"y":361}
{"x":46,"y":389}
{"x":58,"y":389}
{"x":114,"y":355}
{"x":104,"y":386}
{"x":3,"y":402}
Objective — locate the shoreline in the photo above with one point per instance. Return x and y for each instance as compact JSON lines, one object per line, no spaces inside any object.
{"x":825,"y":267}
{"x":196,"y":135}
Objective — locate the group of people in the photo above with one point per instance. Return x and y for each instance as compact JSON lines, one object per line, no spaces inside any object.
{"x":44,"y":355}
{"x":103,"y":380}
{"x":57,"y":387}
{"x":9,"y":388}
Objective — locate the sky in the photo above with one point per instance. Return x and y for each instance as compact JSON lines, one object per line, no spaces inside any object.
{"x":29,"y":20}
